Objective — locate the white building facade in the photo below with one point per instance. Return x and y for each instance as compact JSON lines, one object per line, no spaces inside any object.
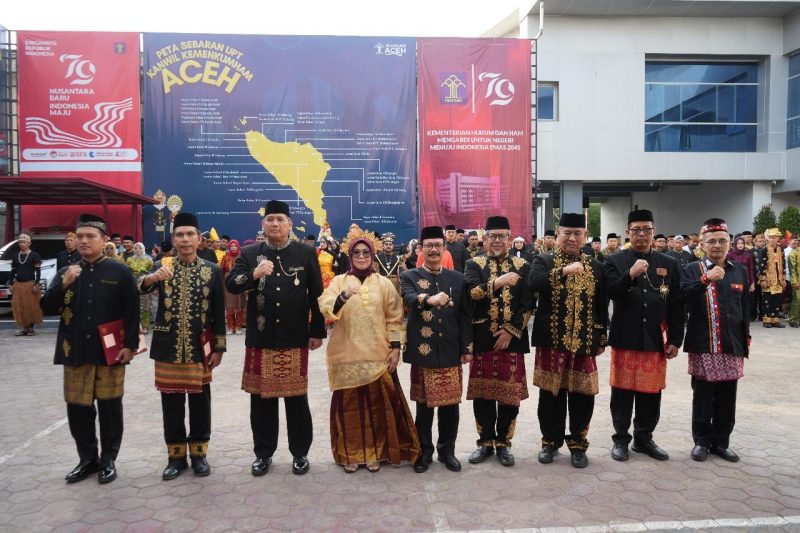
{"x":688,"y":108}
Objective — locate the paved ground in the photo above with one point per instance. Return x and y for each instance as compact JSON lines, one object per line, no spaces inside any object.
{"x":762,"y":491}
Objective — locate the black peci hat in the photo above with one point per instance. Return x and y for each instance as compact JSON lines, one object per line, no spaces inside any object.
{"x":276,"y":207}
{"x":185,"y":219}
{"x":497,"y":223}
{"x":87,"y":220}
{"x":431,"y":232}
{"x":640,"y":215}
{"x":572,"y":220}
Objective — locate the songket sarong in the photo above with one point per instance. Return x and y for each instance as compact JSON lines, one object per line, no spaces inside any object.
{"x":638,"y":371}
{"x":556,"y":370}
{"x":437,"y":387}
{"x":187,"y":378}
{"x":373,"y":423}
{"x":499,"y":376}
{"x":276,"y":373}
{"x":714,"y":367}
{"x":25,"y":304}
{"x":86,"y":383}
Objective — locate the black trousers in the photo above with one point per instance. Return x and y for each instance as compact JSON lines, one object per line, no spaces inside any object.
{"x":264,"y":423}
{"x":448,"y":429}
{"x":771,"y":305}
{"x":496,"y":422}
{"x":713,"y":412}
{"x":552,"y":413}
{"x":173,"y":405}
{"x":755,"y":303}
{"x":648,"y":412}
{"x":81,"y":425}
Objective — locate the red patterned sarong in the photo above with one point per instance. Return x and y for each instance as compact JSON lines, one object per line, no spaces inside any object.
{"x":556,"y":370}
{"x":714,"y":367}
{"x":638,"y":371}
{"x":499,"y":376}
{"x":275,"y":373}
{"x":436,"y":387}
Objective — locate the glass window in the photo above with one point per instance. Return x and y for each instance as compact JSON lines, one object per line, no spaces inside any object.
{"x":694,"y":106}
{"x":793,"y":105}
{"x":547,"y":101}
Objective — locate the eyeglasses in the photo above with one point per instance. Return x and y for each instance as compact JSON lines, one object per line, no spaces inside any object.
{"x":497,"y":236}
{"x":432,"y":246}
{"x":715,"y":242}
{"x":641,"y":231}
{"x":362,"y":253}
{"x":571,"y":234}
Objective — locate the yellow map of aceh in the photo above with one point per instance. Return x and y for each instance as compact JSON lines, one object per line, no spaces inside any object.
{"x":299,"y":166}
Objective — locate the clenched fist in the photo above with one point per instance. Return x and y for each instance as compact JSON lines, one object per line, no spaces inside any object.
{"x":638,"y":268}
{"x":72,"y":273}
{"x":573,"y":269}
{"x":263,"y":269}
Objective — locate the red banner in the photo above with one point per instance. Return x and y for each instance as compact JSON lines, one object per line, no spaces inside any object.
{"x":79,"y":115}
{"x":475,"y":126}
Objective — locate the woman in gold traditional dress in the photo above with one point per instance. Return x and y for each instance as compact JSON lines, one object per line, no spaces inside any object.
{"x":370,"y":418}
{"x":110,"y":251}
{"x":140,"y":264}
{"x":326,"y":261}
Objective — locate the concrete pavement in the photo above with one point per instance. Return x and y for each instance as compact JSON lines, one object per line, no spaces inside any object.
{"x":36,"y":451}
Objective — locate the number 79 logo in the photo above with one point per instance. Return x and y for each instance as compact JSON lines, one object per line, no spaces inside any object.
{"x":500,"y":89}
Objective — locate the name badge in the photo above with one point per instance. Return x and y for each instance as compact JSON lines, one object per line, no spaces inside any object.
{"x":661,"y":271}
{"x":738,"y":287}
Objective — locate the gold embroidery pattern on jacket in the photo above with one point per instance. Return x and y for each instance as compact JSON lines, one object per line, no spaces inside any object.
{"x":571,"y":291}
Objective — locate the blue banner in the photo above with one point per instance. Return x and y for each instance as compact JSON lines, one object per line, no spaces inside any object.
{"x":326,"y":124}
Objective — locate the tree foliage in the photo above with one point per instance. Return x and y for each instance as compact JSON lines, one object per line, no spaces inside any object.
{"x":764,"y":220}
{"x":789,"y":219}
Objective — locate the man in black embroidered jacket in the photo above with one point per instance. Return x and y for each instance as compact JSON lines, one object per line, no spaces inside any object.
{"x":501,"y":308}
{"x":717,"y":339}
{"x":439,"y":341}
{"x":283,"y":323}
{"x":188,"y":343}
{"x":389,"y":263}
{"x":644,"y":285}
{"x":569,"y":331}
{"x":89,"y":294}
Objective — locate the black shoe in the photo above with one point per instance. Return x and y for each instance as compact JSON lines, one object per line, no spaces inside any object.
{"x":767,"y":324}
{"x":84,"y":468}
{"x":481,"y":454}
{"x":651,"y":449}
{"x":260,"y":466}
{"x":505,"y":456}
{"x":108,"y":472}
{"x":174,"y":469}
{"x":200,"y":467}
{"x":619,"y":452}
{"x":699,"y":453}
{"x":450,"y":461}
{"x":579,"y":459}
{"x":725,"y":453}
{"x":422,"y":464}
{"x":300,"y":466}
{"x":547,"y":454}
{"x":778,"y":325}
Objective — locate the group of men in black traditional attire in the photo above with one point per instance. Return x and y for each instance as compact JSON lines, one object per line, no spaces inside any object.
{"x":477,"y":313}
